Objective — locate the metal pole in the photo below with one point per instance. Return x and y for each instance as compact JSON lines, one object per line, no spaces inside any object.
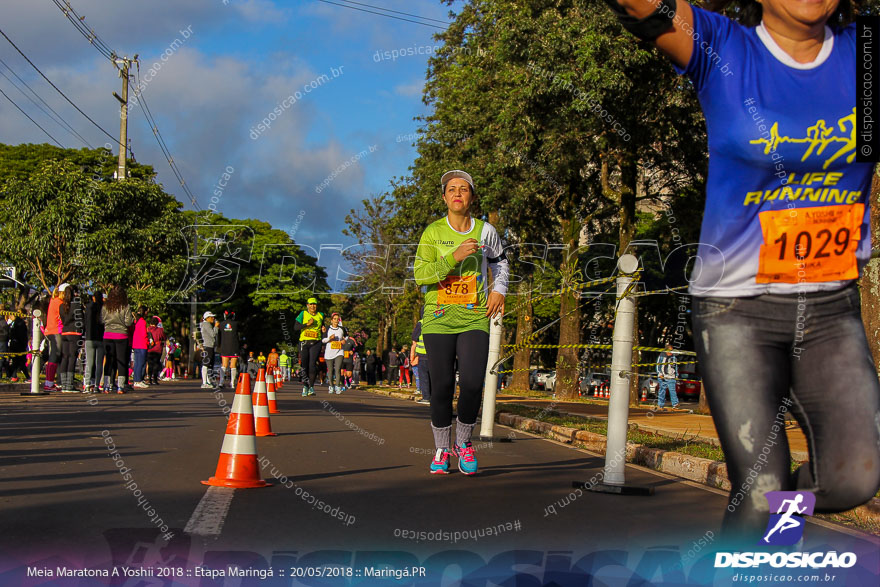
{"x":487,"y":425}
{"x":618,"y":405}
{"x":36,"y":357}
{"x":621,"y":362}
{"x":121,"y":172}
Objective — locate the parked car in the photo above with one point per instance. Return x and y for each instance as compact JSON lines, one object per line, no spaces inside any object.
{"x":688,"y":386}
{"x":648,"y":385}
{"x":550,"y":382}
{"x":590,"y":381}
{"x":537,"y":378}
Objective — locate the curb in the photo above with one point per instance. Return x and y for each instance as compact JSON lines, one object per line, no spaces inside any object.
{"x":708,"y":472}
{"x":705,"y":471}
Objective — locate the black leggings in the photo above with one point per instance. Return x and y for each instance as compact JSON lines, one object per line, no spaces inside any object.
{"x":309,"y":351}
{"x":115,"y":358}
{"x":70,"y":344}
{"x":153,"y":360}
{"x":472,"y":350}
{"x":54,"y":348}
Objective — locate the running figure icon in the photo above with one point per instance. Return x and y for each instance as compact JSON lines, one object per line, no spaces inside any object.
{"x":787,"y":512}
{"x":786,"y":522}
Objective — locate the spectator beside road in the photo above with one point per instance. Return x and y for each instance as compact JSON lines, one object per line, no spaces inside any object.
{"x":208,"y":330}
{"x":370,"y":365}
{"x":667,"y":373}
{"x":52,"y":332}
{"x":116,"y":316}
{"x":243,"y":354}
{"x":72,"y":322}
{"x":393,"y":365}
{"x":93,"y":374}
{"x":5,"y":361}
{"x":419,"y":360}
{"x":228,"y":344}
{"x":170,"y":347}
{"x":403,"y":361}
{"x":18,"y":343}
{"x":139,"y":343}
{"x":156,"y":342}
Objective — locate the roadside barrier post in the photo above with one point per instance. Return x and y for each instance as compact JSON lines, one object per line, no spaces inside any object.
{"x":618,"y":405}
{"x":36,"y":357}
{"x":487,"y":424}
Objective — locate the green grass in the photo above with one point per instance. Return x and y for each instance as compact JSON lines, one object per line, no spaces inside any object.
{"x":683,"y":444}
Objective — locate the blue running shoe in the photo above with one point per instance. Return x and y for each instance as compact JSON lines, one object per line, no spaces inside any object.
{"x":440,"y":462}
{"x":311,"y":391}
{"x":305,"y":390}
{"x":467,"y":459}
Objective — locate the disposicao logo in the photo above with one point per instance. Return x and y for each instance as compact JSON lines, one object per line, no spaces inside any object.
{"x":786,"y":527}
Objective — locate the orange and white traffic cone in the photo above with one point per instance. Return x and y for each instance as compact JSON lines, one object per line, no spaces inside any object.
{"x":261,"y":379}
{"x":238,"y":465}
{"x":261,"y":411}
{"x":607,"y":393}
{"x":644,"y":395}
{"x":596,"y":391}
{"x":271,"y":385}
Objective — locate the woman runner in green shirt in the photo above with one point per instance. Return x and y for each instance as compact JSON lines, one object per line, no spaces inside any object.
{"x":452,"y":260}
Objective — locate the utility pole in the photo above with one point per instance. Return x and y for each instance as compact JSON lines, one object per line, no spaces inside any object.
{"x":125,"y":62}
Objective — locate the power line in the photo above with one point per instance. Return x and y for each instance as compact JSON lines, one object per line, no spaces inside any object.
{"x":31,"y":119}
{"x":384,"y":14}
{"x":93,"y":39}
{"x":57,"y":118}
{"x":80,"y":25}
{"x":57,"y":89}
{"x":162,"y":145}
{"x":396,"y":11}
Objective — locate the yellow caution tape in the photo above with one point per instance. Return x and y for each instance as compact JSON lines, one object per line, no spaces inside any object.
{"x":18,"y":314}
{"x":599,"y":346}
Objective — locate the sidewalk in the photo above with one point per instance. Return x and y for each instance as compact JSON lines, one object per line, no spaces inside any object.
{"x":667,"y":423}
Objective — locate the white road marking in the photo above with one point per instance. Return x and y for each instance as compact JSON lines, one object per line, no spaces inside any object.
{"x":209,"y":515}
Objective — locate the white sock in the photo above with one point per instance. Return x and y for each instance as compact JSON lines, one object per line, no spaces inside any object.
{"x":222,"y":375}
{"x":234,"y":380}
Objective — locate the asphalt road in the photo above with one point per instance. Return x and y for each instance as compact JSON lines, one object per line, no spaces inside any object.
{"x":365,"y":457}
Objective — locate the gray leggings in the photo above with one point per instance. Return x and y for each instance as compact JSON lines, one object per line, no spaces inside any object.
{"x":764,"y":356}
{"x":94,"y":362}
{"x":334,"y":371}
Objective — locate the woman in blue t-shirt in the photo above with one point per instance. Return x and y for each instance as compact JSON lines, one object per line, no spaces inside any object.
{"x":784,"y":236}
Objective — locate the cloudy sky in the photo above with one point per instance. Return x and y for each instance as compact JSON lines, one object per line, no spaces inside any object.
{"x":228,"y":64}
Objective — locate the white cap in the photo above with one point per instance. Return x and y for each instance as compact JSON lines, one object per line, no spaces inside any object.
{"x":459,"y":174}
{"x":207,"y":315}
{"x":63,"y":286}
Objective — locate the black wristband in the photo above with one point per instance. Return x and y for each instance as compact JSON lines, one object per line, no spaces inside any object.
{"x":650,"y":27}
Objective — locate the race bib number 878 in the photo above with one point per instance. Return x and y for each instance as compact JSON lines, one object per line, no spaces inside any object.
{"x":814,"y":245}
{"x":457,"y":290}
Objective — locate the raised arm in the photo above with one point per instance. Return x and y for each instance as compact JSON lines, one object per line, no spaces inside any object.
{"x":646,"y":18}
